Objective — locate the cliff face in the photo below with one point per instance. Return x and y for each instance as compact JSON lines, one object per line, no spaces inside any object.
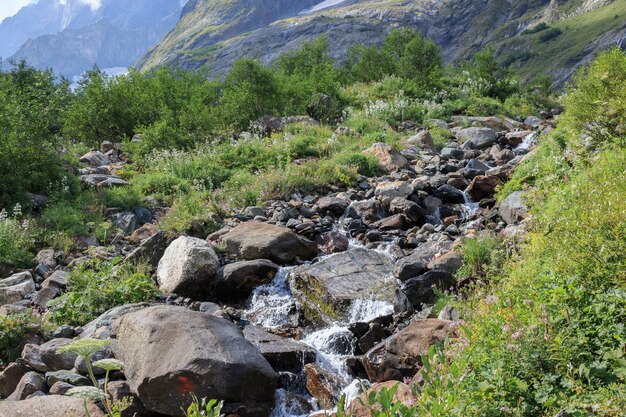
{"x":214,"y":34}
{"x":70,"y":36}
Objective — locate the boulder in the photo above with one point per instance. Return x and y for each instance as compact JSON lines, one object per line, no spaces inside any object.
{"x":473,"y":168}
{"x":491,"y":122}
{"x":483,"y":186}
{"x":332,"y":242}
{"x":256,"y":240}
{"x":44,"y":296}
{"x":449,"y":194}
{"x":513,"y":209}
{"x":11,"y":376}
{"x":32,"y":358}
{"x":395,"y":222}
{"x":327,"y":288}
{"x":57,"y":280}
{"x":60,"y":388}
{"x":369,"y":211}
{"x":477,"y":137}
{"x":515,"y":138}
{"x":171,"y":352}
{"x":334,"y":205}
{"x":52,"y":359}
{"x":126,"y":221}
{"x":236,"y":281}
{"x":423,"y":139}
{"x":95,"y":159}
{"x":187,"y":267}
{"x":46,"y":257}
{"x":359,"y":407}
{"x":417,"y":263}
{"x":106,"y":319}
{"x":420,"y":289}
{"x":150,"y":249}
{"x":49,"y":406}
{"x":388,"y":190}
{"x":323,"y":385}
{"x":284,"y":355}
{"x":29,"y":384}
{"x":450,"y":262}
{"x":388,"y":157}
{"x":16,"y":288}
{"x":396,"y":357}
{"x":68,"y":377}
{"x":412,"y":211}
{"x":451,"y":153}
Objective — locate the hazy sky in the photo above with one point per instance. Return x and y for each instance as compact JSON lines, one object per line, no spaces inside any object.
{"x":10,"y":7}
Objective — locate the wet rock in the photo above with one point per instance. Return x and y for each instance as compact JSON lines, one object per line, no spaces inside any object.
{"x":420,"y":289}
{"x":187,"y":267}
{"x":166,"y":356}
{"x":334,"y":205}
{"x":395,"y":222}
{"x":483,"y":187}
{"x":236,"y":281}
{"x":417,"y":263}
{"x":477,"y":137}
{"x":95,"y":159}
{"x":49,"y":406}
{"x":323,"y":385}
{"x":373,"y":336}
{"x":359,"y":407}
{"x":150,"y":250}
{"x":56,"y":361}
{"x":16,"y":288}
{"x":327,"y":288}
{"x":514,"y":139}
{"x":449,"y":194}
{"x":332,"y":242}
{"x":369,"y":211}
{"x":396,"y":357}
{"x":30,"y":383}
{"x":11,"y":376}
{"x":513,"y":209}
{"x":255,"y":240}
{"x":283,"y":354}
{"x":412,"y":211}
{"x":389,"y":158}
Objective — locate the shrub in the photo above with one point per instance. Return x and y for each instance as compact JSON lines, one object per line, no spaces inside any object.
{"x":13,"y":328}
{"x":96,"y":286}
{"x":16,"y":239}
{"x":476,"y":253}
{"x":191,"y":213}
{"x":127,"y":198}
{"x":550,"y":34}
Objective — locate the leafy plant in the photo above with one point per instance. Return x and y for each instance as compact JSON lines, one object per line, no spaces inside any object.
{"x":204,"y":408}
{"x":13,"y":328}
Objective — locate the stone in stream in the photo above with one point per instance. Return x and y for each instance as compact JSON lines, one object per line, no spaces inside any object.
{"x":327,"y":288}
{"x":256,"y":240}
{"x":449,"y":194}
{"x":322,"y":385}
{"x":16,"y":287}
{"x":412,"y":211}
{"x":334,"y":205}
{"x":482,"y":187}
{"x":332,"y":242}
{"x":237,"y":280}
{"x":171,"y":352}
{"x":369,"y":211}
{"x":188,"y":267}
{"x":284,"y":355}
{"x":49,"y":406}
{"x":397,"y":356}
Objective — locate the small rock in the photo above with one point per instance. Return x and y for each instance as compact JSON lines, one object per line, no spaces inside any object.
{"x":30,"y":383}
{"x":388,"y":157}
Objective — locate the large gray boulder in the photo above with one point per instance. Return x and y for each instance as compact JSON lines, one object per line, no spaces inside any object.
{"x":16,"y":287}
{"x":513,"y":209}
{"x":396,"y":357}
{"x":187,"y":267}
{"x":283,"y":354}
{"x":477,"y":137}
{"x":49,"y":406}
{"x":256,"y":240}
{"x":171,"y":352}
{"x":417,"y":263}
{"x":327,"y":288}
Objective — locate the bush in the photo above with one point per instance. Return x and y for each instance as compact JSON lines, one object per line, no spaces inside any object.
{"x":96,"y":286}
{"x":16,"y":239}
{"x":14,"y":327}
{"x":550,"y":34}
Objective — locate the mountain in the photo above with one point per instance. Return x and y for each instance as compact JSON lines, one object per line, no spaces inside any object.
{"x":71,"y":36}
{"x":214,"y":34}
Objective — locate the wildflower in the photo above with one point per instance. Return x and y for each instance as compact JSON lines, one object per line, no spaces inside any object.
{"x":506,"y":328}
{"x":505,"y":410}
{"x":407,"y":380}
{"x":510,"y":346}
{"x":516,"y":335}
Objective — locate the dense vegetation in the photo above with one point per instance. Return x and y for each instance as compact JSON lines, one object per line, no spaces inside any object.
{"x":544,"y":318}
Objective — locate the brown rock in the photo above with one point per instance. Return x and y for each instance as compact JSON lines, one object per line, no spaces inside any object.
{"x":10,"y":377}
{"x":332,"y":242}
{"x":397,"y":356}
{"x":423,"y":139}
{"x":322,"y":385}
{"x":483,"y":186}
{"x":360,"y":407}
{"x":143,"y":233}
{"x":389,"y":158}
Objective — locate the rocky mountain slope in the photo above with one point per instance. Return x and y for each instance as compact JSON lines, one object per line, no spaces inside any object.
{"x":215,"y":34}
{"x":70,"y":36}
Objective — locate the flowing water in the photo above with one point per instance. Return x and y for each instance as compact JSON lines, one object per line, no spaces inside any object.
{"x":273,"y":306}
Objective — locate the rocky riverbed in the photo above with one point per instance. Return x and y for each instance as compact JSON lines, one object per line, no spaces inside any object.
{"x":305,"y":300}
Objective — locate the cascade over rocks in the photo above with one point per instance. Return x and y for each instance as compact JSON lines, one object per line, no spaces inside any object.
{"x":171,"y":352}
{"x":396,"y":357}
{"x":326,"y":288}
{"x":256,"y":240}
{"x":283,"y":354}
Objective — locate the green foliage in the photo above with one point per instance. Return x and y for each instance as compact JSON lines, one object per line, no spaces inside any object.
{"x":550,"y":34}
{"x":127,"y":198}
{"x":97,"y":286}
{"x":13,"y":328}
{"x":204,"y":408}
{"x":16,"y":239}
{"x":596,"y":103}
{"x":476,"y":253}
{"x":537,"y":28}
{"x":31,"y":105}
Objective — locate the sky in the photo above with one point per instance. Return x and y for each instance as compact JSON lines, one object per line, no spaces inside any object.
{"x":10,"y":7}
